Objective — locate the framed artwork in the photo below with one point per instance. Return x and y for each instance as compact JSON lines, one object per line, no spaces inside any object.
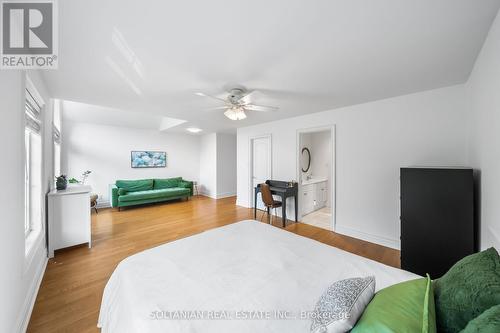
{"x":148,"y":159}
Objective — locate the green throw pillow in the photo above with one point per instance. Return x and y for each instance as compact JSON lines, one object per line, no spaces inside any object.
{"x":135,"y":185}
{"x":468,"y":289}
{"x":405,"y":307}
{"x":487,"y":322}
{"x":161,"y":184}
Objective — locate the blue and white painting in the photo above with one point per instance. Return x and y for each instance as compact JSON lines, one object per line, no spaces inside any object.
{"x":149,"y":159}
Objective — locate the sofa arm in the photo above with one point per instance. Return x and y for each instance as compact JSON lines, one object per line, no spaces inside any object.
{"x":187,"y":184}
{"x":113,"y":195}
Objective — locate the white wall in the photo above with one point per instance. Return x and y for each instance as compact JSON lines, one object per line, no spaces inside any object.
{"x":218,"y":165}
{"x":208,"y":165}
{"x":20,"y":275}
{"x":226,"y":165}
{"x":483,"y":93}
{"x":321,"y":142}
{"x":373,"y":141}
{"x":105,"y":150}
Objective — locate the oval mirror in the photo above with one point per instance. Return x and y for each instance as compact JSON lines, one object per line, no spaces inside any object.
{"x":306,"y":159}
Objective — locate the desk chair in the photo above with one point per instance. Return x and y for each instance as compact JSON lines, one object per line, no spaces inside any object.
{"x":93,"y":202}
{"x":269,"y":202}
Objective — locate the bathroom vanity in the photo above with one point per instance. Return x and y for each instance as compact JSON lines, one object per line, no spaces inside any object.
{"x":314,"y":194}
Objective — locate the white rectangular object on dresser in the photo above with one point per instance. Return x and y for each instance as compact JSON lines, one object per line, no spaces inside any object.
{"x":69,"y":221}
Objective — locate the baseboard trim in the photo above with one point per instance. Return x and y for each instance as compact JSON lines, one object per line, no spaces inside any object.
{"x":103,"y":204}
{"x":218,"y":196}
{"x":226,"y":195}
{"x":380,"y":240}
{"x":205,"y":194}
{"x":30,"y":299}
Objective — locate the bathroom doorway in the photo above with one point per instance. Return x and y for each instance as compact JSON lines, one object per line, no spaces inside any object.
{"x":316,"y":175}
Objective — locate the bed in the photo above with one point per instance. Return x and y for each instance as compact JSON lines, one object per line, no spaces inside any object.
{"x":243,"y":277}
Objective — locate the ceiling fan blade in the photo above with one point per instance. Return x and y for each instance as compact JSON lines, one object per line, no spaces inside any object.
{"x":217,"y":108}
{"x":210,"y":96}
{"x":260,"y":108}
{"x":249,"y":97}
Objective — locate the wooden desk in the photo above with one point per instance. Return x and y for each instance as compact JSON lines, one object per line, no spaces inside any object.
{"x":284,"y":191}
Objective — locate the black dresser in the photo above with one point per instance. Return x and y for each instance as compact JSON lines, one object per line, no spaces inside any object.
{"x":437,"y":218}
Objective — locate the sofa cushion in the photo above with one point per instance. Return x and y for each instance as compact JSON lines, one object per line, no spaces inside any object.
{"x":468,"y":289}
{"x":486,"y":322}
{"x":153,"y":194}
{"x":135,"y":185}
{"x":122,"y":191}
{"x":403,"y":307}
{"x":166,"y":183}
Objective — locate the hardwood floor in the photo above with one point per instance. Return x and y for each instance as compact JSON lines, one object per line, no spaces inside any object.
{"x":71,"y":290}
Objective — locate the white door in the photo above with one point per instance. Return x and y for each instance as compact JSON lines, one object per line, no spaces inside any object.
{"x":261,"y":164}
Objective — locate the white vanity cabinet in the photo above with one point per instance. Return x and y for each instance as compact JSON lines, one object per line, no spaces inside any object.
{"x":321,"y":195}
{"x":69,"y":220}
{"x":308,"y":196}
{"x":314,"y":195}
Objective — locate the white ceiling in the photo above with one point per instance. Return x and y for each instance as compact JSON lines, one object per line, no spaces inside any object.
{"x":150,"y":57}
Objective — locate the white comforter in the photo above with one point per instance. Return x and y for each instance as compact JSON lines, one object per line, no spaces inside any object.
{"x":240,"y":271}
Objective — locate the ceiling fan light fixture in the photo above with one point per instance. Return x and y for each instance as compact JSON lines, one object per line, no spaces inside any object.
{"x":237,"y":103}
{"x":235,"y":113}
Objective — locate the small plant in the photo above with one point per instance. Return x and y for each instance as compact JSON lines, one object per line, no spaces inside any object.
{"x":73,"y":180}
{"x":85,"y":175}
{"x":61,"y":182}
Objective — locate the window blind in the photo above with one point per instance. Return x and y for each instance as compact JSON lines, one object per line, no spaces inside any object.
{"x":57,"y":135}
{"x":32,"y":113}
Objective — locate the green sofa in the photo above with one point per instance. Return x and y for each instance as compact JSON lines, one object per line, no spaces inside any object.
{"x":137,"y":192}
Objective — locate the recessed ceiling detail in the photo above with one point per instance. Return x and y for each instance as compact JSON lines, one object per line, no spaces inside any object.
{"x":194,"y":129}
{"x":167,"y":123}
{"x":99,"y":115}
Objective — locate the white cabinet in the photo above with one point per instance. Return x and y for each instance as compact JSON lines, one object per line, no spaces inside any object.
{"x":321,"y":195}
{"x":69,"y":221}
{"x":308,"y":197}
{"x":314,"y":196}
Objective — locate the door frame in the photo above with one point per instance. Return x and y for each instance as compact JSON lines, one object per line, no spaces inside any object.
{"x":333,"y":197}
{"x":250,"y":166}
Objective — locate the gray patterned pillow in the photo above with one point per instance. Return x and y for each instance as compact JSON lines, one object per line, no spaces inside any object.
{"x":342,"y":304}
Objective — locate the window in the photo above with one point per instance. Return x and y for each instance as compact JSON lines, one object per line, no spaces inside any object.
{"x":57,"y":138}
{"x":33,"y":161}
{"x":57,"y":159}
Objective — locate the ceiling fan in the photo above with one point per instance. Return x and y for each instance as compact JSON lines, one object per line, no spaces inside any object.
{"x":237,"y":102}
